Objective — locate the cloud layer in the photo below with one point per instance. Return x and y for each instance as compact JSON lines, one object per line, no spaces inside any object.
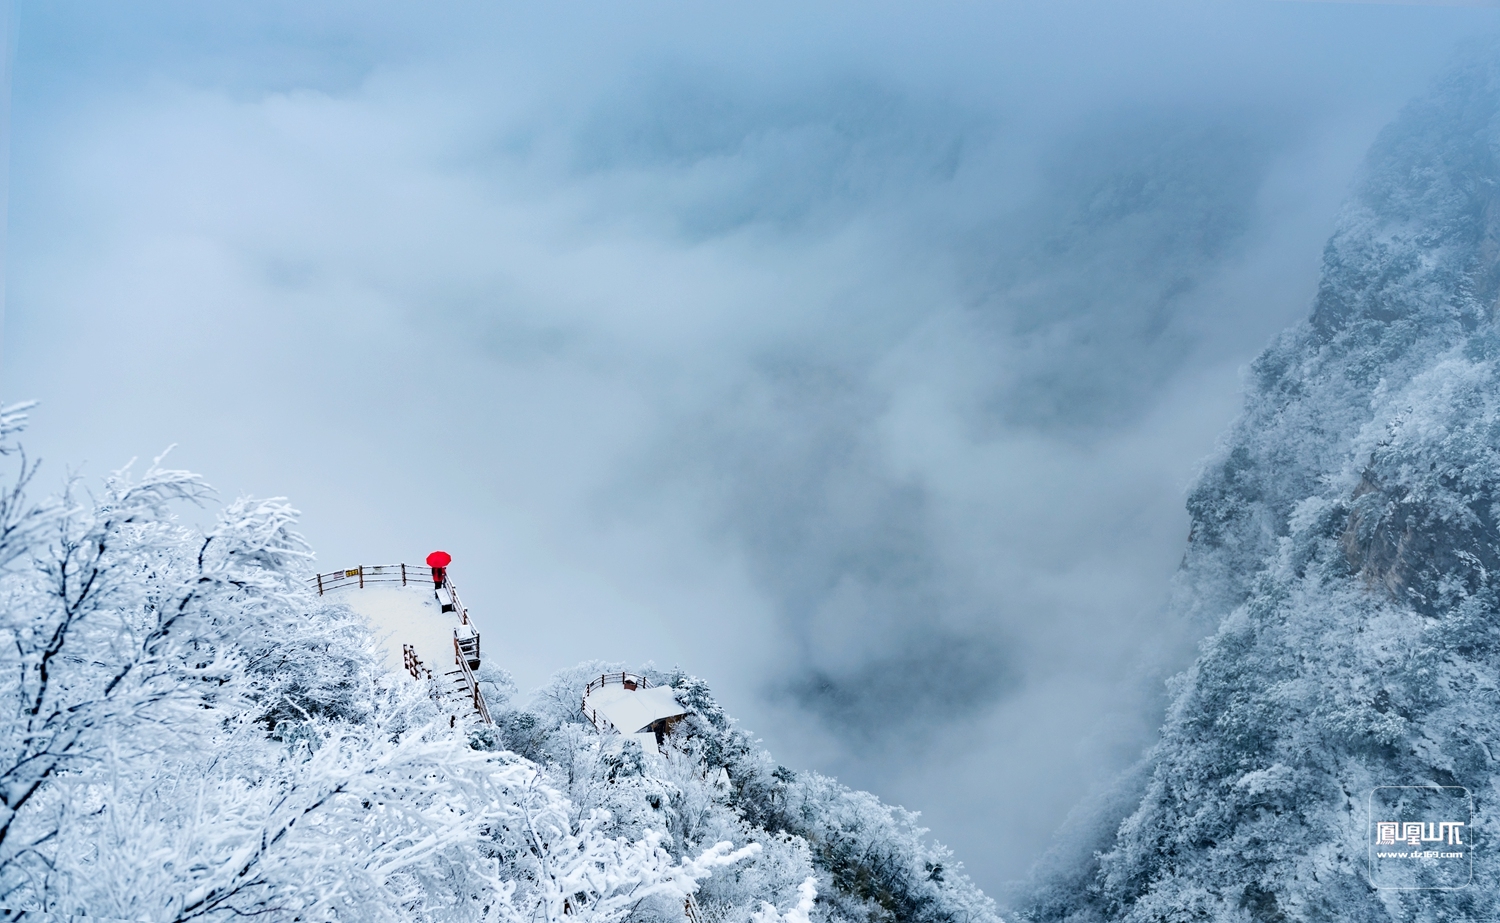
{"x":856,"y":360}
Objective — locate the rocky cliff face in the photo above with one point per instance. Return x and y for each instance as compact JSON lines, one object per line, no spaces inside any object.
{"x":1345,"y":555}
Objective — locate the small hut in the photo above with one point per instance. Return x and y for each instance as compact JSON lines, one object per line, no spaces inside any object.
{"x":627,"y":703}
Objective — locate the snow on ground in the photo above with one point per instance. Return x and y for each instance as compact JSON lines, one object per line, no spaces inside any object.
{"x":406,"y":615}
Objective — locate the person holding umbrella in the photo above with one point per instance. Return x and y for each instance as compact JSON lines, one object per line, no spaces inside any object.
{"x":439,"y":561}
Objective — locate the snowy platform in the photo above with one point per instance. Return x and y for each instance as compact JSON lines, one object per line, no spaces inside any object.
{"x":407,"y":615}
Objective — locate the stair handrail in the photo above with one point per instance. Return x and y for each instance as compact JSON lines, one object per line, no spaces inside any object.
{"x":468,"y":674}
{"x":463,"y":613}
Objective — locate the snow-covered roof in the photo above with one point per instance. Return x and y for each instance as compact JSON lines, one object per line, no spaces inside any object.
{"x":632,"y":711}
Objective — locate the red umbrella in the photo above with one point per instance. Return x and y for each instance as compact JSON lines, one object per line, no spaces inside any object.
{"x":439,"y":559}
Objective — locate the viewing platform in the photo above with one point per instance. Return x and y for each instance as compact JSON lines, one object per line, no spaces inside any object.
{"x":416,"y":613}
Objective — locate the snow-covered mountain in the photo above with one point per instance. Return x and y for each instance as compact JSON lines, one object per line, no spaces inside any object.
{"x":1345,"y":559}
{"x":191,"y":733}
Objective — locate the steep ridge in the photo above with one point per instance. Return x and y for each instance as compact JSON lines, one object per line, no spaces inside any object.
{"x":873,"y":862}
{"x":1344,"y":554}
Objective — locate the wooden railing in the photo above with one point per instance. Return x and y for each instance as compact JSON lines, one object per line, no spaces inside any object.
{"x":389,"y":574}
{"x":400,"y":574}
{"x":629,"y":680}
{"x":458,"y":606}
{"x":463,"y":666}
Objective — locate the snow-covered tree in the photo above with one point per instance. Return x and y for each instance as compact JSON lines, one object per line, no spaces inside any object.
{"x":1343,"y":559}
{"x":193,"y":734}
{"x":868,"y":860}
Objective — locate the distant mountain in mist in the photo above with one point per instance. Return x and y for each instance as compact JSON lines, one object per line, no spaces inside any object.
{"x":1345,"y":560}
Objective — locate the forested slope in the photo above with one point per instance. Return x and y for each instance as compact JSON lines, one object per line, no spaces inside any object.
{"x":1344,"y":557}
{"x":190,"y":733}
